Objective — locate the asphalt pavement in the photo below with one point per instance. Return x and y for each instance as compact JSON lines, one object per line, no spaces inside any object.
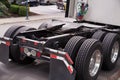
{"x":13,"y":71}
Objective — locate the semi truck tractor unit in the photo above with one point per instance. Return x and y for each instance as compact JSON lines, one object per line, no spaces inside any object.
{"x":75,"y":51}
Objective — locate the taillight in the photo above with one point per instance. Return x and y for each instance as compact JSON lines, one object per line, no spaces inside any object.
{"x":21,"y":49}
{"x":38,"y":54}
{"x":35,"y":43}
{"x":8,"y":43}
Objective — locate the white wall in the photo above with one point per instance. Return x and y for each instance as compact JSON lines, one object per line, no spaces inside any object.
{"x":72,"y":8}
{"x":104,"y":11}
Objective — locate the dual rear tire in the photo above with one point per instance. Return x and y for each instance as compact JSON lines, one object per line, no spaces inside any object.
{"x":111,"y":48}
{"x":14,"y":49}
{"x":87,"y":57}
{"x":90,"y":55}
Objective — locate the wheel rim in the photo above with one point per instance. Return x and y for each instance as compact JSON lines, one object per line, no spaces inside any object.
{"x":115,"y":52}
{"x":95,"y":62}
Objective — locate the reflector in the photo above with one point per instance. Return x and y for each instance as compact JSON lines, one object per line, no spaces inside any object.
{"x":38,"y":54}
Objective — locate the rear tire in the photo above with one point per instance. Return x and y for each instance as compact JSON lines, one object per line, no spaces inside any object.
{"x":99,"y":35}
{"x":111,"y":50}
{"x":10,"y":32}
{"x":73,"y":46}
{"x":85,"y":60}
{"x":14,"y":48}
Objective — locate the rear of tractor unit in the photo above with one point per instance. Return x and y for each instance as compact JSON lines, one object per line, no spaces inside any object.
{"x":74,"y":53}
{"x":76,"y":50}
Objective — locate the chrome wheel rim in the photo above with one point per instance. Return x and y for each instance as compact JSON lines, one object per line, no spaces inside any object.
{"x":95,"y":62}
{"x":115,"y":52}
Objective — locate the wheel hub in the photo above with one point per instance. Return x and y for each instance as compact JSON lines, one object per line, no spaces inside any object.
{"x":115,"y":52}
{"x":95,"y":62}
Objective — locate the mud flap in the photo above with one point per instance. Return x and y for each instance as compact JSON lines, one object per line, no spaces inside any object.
{"x":4,"y":51}
{"x":58,"y":71}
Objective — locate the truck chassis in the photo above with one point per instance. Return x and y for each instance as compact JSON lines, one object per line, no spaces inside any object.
{"x":75,"y":50}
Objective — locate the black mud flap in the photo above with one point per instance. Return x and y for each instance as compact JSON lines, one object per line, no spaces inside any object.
{"x":58,"y":71}
{"x":4,"y":51}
